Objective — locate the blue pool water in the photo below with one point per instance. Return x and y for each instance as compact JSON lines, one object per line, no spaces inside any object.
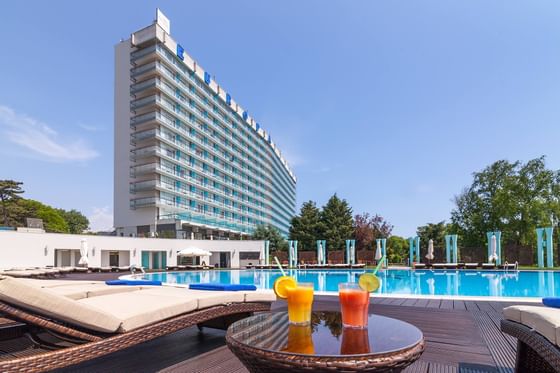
{"x":393,"y":281}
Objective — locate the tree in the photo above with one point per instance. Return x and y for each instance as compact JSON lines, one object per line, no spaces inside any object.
{"x":270,"y":233}
{"x":337,"y":221}
{"x":514,"y":198}
{"x":76,"y":221}
{"x":307,"y":227}
{"x":52,"y":219}
{"x":9,"y":192}
{"x":433,"y":231}
{"x":368,"y":228}
{"x":397,"y":249}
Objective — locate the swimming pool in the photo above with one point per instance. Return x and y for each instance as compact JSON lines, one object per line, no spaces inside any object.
{"x":393,"y":281}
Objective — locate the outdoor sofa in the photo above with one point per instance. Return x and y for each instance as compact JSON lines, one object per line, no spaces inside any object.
{"x":97,"y":319}
{"x":537,"y":330}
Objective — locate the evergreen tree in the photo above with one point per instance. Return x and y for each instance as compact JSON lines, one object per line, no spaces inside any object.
{"x":337,"y":221}
{"x":9,"y":192}
{"x":307,"y":228}
{"x":270,"y":233}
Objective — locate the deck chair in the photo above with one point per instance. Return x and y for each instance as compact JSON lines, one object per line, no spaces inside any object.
{"x":97,"y":319}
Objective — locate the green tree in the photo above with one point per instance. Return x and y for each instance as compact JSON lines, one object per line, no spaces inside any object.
{"x":9,"y":192}
{"x":433,"y":231}
{"x":270,"y":233}
{"x":76,"y":221}
{"x":53,"y":221}
{"x":514,"y":198}
{"x":397,"y":249}
{"x":307,"y":227}
{"x":337,"y":221}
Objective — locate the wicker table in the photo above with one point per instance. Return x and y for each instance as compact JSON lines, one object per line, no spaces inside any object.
{"x":268,"y":343}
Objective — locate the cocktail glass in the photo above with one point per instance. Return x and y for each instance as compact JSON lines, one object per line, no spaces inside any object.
{"x":354,"y":341}
{"x":300,"y":300}
{"x":300,"y":340}
{"x":354,"y":302}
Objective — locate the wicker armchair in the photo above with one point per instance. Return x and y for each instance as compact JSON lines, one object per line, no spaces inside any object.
{"x":535,"y":353}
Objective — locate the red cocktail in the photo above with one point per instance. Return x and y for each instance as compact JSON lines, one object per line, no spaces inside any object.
{"x":354,"y":302}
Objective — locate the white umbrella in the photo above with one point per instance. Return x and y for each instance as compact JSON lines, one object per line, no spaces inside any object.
{"x":292,"y":254}
{"x":320,"y":254}
{"x":378,"y":254}
{"x":430,"y":254}
{"x":194,"y":251}
{"x":83,"y":253}
{"x":494,"y":255}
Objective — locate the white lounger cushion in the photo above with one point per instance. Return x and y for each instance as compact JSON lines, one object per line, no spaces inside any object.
{"x":80,"y":289}
{"x":46,"y":302}
{"x":260,"y":296}
{"x":140,"y":308}
{"x":545,"y":320}
{"x":100,"y":307}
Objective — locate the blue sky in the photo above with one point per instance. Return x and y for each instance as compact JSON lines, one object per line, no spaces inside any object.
{"x":390,"y":104}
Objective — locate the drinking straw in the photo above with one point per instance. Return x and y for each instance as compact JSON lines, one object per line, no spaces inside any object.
{"x":379,"y":264}
{"x":280,"y":266}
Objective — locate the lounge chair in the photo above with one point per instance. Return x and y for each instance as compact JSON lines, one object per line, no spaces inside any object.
{"x":537,"y":330}
{"x":450,"y":265}
{"x":471,"y":265}
{"x":81,"y":269}
{"x":488,"y":266}
{"x":418,"y":265}
{"x":359,"y":265}
{"x":98,"y":319}
{"x":438,"y":265}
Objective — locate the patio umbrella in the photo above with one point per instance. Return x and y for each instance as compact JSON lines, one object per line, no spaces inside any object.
{"x":292,"y":254}
{"x":378,"y":254}
{"x":83,"y":253}
{"x":320,"y":254}
{"x":494,"y":255}
{"x":430,"y":254}
{"x":193,"y":251}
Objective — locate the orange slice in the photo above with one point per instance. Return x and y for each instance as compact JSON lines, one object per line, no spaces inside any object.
{"x":281,"y":284}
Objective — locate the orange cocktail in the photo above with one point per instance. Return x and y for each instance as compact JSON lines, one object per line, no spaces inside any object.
{"x":354,"y":302}
{"x":300,"y":340}
{"x":300,"y":300}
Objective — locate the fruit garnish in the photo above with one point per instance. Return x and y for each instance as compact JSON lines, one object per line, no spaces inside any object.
{"x":282,"y":284}
{"x":369,"y":282}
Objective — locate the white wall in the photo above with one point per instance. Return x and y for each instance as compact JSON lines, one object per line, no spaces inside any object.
{"x":18,"y":249}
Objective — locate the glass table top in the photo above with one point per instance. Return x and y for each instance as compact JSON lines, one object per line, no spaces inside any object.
{"x":325,"y":336}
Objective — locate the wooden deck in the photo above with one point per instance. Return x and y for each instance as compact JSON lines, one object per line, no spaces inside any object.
{"x":462,"y":336}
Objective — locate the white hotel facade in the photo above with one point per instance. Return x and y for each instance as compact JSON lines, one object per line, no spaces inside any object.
{"x":189,"y":160}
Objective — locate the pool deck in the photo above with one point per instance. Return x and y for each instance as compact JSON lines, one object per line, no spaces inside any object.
{"x":461,"y":335}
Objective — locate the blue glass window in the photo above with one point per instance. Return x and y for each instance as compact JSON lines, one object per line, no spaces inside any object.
{"x":180,"y":52}
{"x":207,"y":78}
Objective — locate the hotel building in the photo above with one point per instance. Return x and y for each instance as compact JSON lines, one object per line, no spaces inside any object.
{"x":189,"y":160}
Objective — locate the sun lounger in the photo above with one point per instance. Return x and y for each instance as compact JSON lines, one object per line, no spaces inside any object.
{"x":171,"y":268}
{"x":450,"y":265}
{"x":81,"y":269}
{"x":537,"y":330}
{"x":471,"y":265}
{"x":106,"y":269}
{"x":488,"y":266}
{"x":182,"y":268}
{"x":438,"y":265}
{"x":359,"y":265}
{"x":100,"y":319}
{"x":418,"y":266}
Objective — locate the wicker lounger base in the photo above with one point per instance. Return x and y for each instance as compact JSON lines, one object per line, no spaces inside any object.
{"x":99,"y":346}
{"x":535,"y":353}
{"x":257,"y":360}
